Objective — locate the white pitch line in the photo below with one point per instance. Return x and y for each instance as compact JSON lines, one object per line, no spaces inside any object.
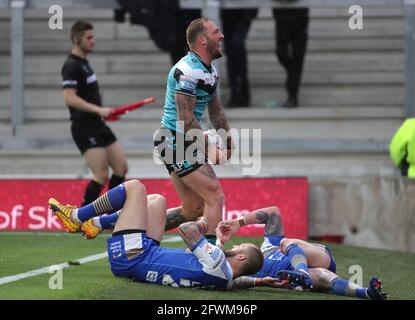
{"x":64,"y":265}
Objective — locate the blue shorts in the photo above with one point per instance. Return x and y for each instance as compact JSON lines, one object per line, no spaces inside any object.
{"x":332,"y":266}
{"x":126,"y":251}
{"x":135,"y":256}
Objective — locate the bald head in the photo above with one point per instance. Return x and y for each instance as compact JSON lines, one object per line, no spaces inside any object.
{"x":252,"y":261}
{"x":195,"y":29}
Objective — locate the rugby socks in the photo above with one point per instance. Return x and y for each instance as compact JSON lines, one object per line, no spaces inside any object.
{"x":297,"y":258}
{"x":115,"y":181}
{"x":109,"y":202}
{"x":106,"y":221}
{"x":343,"y":287}
{"x":92,"y":192}
{"x":211,"y":238}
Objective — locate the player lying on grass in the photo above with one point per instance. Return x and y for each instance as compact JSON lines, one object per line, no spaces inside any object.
{"x":296,"y":262}
{"x":134,"y":251}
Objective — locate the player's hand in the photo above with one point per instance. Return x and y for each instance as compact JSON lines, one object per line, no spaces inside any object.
{"x":215,"y":155}
{"x":271,"y":282}
{"x":104,"y":111}
{"x":203,"y":224}
{"x":226,"y":229}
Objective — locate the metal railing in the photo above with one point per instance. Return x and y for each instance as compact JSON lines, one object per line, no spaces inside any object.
{"x":211,"y":9}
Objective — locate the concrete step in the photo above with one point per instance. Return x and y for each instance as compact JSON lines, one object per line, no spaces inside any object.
{"x":69,"y":163}
{"x":294,"y":129}
{"x":257,"y":79}
{"x":378,"y":11}
{"x":375,"y":11}
{"x":253,"y":45}
{"x":261,"y":29}
{"x":264,"y":96}
{"x":260,"y":62}
{"x":336,"y":27}
{"x":340,"y":123}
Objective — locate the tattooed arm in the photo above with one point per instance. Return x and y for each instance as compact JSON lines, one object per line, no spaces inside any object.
{"x":185,"y":105}
{"x":191,"y":232}
{"x":174,"y":217}
{"x":219,"y":121}
{"x":269,"y":216}
{"x":217,"y":115}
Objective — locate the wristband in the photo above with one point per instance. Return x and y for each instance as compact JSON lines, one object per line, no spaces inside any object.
{"x":242,"y":222}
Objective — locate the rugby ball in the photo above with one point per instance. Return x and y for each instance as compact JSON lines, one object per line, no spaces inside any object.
{"x":215,"y":139}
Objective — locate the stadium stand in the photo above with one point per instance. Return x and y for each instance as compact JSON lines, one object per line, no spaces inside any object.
{"x":353,"y":88}
{"x":353,"y":100}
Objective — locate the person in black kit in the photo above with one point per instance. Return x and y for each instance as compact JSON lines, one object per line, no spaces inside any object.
{"x":291,"y":42}
{"x":93,"y":137}
{"x":236,"y":24}
{"x":180,"y":47}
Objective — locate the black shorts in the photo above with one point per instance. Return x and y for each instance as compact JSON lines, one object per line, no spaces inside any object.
{"x":174,"y":157}
{"x":91,"y":134}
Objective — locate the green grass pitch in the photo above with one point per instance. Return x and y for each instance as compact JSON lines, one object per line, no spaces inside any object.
{"x":23,"y":252}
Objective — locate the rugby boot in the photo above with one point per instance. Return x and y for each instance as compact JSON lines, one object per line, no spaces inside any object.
{"x":64,"y":213}
{"x":90,"y":230}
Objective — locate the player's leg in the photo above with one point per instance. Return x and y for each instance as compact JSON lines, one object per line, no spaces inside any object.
{"x":156,"y":207}
{"x":97,"y":161}
{"x":204,"y":182}
{"x":325,"y":280}
{"x":94,"y":226}
{"x":73,"y":217}
{"x":129,"y":240}
{"x":133,"y":215}
{"x":191,"y":208}
{"x":317,"y":256}
{"x":297,"y":258}
{"x":117,"y":162}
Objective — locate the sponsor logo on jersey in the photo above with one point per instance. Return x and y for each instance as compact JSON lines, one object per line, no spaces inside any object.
{"x":151,"y":276}
{"x":187,"y":83}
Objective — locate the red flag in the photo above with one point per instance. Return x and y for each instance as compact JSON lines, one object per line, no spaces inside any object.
{"x":117,"y":112}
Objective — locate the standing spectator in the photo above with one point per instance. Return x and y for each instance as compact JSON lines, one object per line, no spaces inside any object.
{"x":402,"y":148}
{"x":93,"y":137}
{"x":183,"y":19}
{"x":236,"y":24}
{"x":291,"y":42}
{"x":159,"y":16}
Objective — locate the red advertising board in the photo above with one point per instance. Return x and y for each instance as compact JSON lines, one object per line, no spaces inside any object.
{"x":23,"y":203}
